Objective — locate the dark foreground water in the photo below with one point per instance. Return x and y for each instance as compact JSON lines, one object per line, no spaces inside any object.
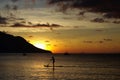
{"x":69,"y":67}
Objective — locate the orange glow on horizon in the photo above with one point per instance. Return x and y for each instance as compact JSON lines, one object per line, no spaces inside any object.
{"x":55,"y":47}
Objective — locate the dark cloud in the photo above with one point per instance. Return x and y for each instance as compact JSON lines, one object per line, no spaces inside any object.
{"x":30,"y":23}
{"x":12,"y":20}
{"x":18,"y":25}
{"x":82,"y":13}
{"x":47,"y":41}
{"x":22,"y":24}
{"x":100,"y":41}
{"x":56,"y":25}
{"x":88,"y":41}
{"x":41,"y":25}
{"x":3,"y":20}
{"x":106,"y":39}
{"x":48,"y":44}
{"x":30,"y":36}
{"x":47,"y":25}
{"x":99,"y":20}
{"x":116,"y":22}
{"x":111,"y":8}
{"x":76,"y":26}
{"x":55,"y":45}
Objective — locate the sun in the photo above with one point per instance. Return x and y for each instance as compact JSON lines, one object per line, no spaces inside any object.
{"x":40,"y":45}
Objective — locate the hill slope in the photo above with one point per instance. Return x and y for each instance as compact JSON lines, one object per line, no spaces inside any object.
{"x":17,"y":44}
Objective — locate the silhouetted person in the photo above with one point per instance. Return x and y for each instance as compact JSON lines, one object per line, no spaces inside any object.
{"x":53,"y":61}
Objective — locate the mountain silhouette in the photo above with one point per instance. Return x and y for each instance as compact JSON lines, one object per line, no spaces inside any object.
{"x":17,"y":44}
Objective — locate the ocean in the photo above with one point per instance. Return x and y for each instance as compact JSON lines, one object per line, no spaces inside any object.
{"x":67,"y":67}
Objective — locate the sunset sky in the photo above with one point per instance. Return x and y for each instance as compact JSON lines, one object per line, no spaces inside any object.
{"x":49,"y":27}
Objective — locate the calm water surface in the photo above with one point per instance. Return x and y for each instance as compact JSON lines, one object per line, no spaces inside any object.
{"x":70,"y":67}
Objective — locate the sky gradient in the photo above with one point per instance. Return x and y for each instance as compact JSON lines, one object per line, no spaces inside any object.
{"x":73,"y":31}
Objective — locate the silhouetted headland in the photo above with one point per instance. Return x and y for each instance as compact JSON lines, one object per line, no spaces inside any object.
{"x":17,"y":44}
{"x":66,"y":53}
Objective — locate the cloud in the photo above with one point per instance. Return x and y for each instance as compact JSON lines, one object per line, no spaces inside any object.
{"x":47,"y":25}
{"x":116,"y":22}
{"x":88,"y":41}
{"x":110,"y":8}
{"x":47,"y":41}
{"x":48,"y":44}
{"x":21,"y":24}
{"x":100,"y":41}
{"x":99,"y":20}
{"x":106,"y":39}
{"x":18,"y":25}
{"x":3,"y":20}
{"x":30,"y":36}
